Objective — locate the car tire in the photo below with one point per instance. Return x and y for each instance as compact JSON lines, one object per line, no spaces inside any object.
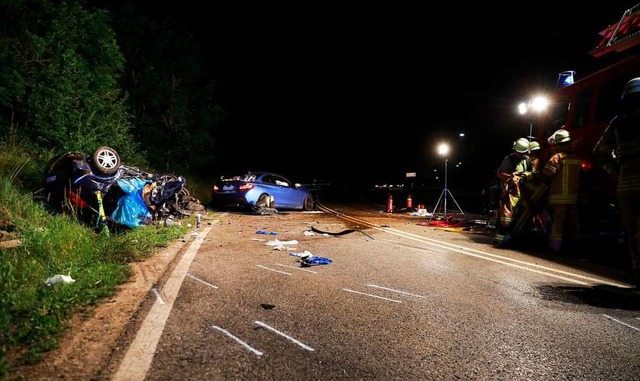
{"x":105,"y":160}
{"x":264,"y":201}
{"x":309,"y":203}
{"x":165,"y":177}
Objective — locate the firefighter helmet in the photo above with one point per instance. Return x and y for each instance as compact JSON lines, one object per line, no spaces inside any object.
{"x":534,"y":146}
{"x":560,"y":136}
{"x":631,"y":88}
{"x":521,"y":145}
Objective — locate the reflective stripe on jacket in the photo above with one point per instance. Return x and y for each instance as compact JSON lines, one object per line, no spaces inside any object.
{"x":564,"y":170}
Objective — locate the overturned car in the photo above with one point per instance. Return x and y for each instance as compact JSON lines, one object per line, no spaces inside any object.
{"x":102,"y":191}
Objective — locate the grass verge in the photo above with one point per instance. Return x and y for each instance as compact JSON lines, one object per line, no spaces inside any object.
{"x":33,"y":314}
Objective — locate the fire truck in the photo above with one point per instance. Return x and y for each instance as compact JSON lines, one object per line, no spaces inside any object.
{"x":584,"y":106}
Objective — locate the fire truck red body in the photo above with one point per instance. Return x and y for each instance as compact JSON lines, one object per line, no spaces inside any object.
{"x":585,"y":107}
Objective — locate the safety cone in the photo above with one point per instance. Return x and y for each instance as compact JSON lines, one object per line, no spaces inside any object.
{"x":390,"y":204}
{"x":409,"y":202}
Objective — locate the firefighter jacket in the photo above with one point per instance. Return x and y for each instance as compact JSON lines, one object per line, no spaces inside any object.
{"x":513,"y":164}
{"x":563,"y":169}
{"x":621,"y":143}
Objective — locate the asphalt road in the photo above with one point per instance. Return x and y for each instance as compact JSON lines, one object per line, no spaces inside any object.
{"x":400,"y":300}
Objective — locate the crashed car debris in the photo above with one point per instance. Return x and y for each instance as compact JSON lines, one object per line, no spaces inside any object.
{"x":100,"y":189}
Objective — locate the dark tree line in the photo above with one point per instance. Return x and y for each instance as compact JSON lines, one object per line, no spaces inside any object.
{"x":74,"y":76}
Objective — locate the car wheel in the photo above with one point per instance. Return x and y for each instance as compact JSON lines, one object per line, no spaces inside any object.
{"x":166,"y":177}
{"x":264,"y":201}
{"x":309,"y":203}
{"x":105,"y":160}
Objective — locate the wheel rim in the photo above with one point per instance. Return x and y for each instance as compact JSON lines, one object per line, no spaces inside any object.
{"x":107,"y":159}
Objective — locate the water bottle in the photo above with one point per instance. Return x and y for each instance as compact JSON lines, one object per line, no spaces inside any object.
{"x":198,"y":218}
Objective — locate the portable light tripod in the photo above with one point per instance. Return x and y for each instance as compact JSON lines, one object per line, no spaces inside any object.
{"x":443,"y":195}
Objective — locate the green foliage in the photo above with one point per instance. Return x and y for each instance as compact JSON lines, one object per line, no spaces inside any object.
{"x":21,"y":167}
{"x":171,"y":94}
{"x":63,"y":69}
{"x":64,"y":88}
{"x":32,"y":314}
{"x":200,"y":188}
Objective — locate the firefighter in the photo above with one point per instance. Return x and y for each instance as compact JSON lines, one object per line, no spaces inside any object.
{"x":534,"y":155}
{"x":562,"y":172}
{"x":512,"y":171}
{"x":535,"y":190}
{"x":620,"y":148}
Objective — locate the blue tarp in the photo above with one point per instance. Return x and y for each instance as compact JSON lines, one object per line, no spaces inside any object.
{"x":132,"y":210}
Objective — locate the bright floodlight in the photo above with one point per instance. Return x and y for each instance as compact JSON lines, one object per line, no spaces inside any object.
{"x":523,"y":108}
{"x":539,"y":104}
{"x":443,"y":149}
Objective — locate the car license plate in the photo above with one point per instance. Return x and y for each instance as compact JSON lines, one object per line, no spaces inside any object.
{"x":227,"y":187}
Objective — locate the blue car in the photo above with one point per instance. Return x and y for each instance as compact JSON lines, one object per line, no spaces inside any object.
{"x":259,"y":190}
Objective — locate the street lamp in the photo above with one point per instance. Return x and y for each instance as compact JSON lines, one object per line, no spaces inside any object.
{"x":537,"y":105}
{"x":443,"y":149}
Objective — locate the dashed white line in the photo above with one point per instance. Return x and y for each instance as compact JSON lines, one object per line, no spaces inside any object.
{"x":255,"y":351}
{"x":373,"y":296}
{"x":274,"y":270}
{"x":621,"y":322}
{"x":200,"y":280}
{"x":284,"y":335}
{"x":398,"y":291}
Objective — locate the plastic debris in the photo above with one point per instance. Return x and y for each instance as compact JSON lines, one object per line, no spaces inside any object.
{"x":422,"y":213}
{"x":314,"y":261}
{"x":309,"y":233}
{"x":59,"y":279}
{"x":277,"y":242}
{"x":171,"y":222}
{"x":303,"y":254}
{"x":262,"y":231}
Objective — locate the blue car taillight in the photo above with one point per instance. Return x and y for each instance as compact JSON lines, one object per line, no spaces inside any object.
{"x":245,"y":187}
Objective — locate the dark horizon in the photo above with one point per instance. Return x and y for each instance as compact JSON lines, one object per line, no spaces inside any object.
{"x":366,"y":94}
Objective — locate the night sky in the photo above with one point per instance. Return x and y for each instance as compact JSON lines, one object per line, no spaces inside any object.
{"x":364,"y":94}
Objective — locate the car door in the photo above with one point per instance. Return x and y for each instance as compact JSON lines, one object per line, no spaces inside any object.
{"x":285,"y":193}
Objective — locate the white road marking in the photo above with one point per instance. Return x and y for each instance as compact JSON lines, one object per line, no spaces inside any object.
{"x":274,"y":270}
{"x":255,"y":351}
{"x":422,"y":249}
{"x":200,"y":280}
{"x":297,"y":268}
{"x":373,"y":296}
{"x":284,"y":335}
{"x":137,"y":360}
{"x":524,"y":265}
{"x":398,"y":291}
{"x":621,"y":322}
